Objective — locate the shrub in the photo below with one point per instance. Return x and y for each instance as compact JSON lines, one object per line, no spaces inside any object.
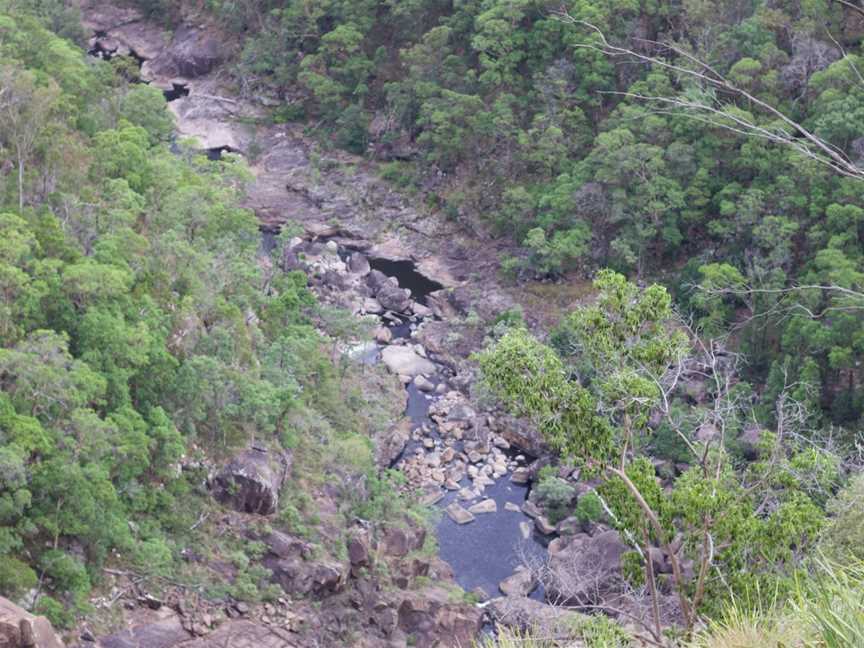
{"x":54,"y":611}
{"x":589,"y":508}
{"x":844,"y":536}
{"x":16,"y":577}
{"x":556,"y":495}
{"x":66,"y":572}
{"x":154,"y":556}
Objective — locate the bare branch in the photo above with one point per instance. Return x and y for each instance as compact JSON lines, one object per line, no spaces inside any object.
{"x":818,"y":149}
{"x":851,"y":5}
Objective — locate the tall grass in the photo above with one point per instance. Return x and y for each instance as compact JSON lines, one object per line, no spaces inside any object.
{"x":833,"y":605}
{"x":825,"y":611}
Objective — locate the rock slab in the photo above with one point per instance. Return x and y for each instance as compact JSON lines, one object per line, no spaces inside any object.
{"x":458,"y":514}
{"x":20,"y":629}
{"x":404,"y":361}
{"x":251,"y":481}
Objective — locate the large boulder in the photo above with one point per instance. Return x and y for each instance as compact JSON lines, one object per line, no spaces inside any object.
{"x":399,"y":541}
{"x":430,"y":617}
{"x":20,"y":629}
{"x":301,"y":577}
{"x":525,"y":613}
{"x":394,"y":299}
{"x":164,"y":633}
{"x":376,"y":280}
{"x":809,"y":55}
{"x":195,"y":52}
{"x":358,"y":264}
{"x":390,"y":443}
{"x":520,"y":434}
{"x":404,"y":361}
{"x":521,"y":583}
{"x":585,"y":570}
{"x":250,"y":483}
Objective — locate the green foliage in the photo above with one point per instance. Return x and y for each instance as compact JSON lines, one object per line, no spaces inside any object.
{"x":843,"y":537}
{"x":556,"y":495}
{"x":16,"y":577}
{"x":133,"y":327}
{"x":555,"y":145}
{"x":55,"y":612}
{"x":589,"y":508}
{"x":532,"y":381}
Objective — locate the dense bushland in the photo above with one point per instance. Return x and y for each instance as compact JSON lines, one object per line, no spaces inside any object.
{"x":137,"y":341}
{"x":537,"y":142}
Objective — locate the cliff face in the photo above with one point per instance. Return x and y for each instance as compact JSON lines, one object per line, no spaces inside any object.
{"x":20,"y":629}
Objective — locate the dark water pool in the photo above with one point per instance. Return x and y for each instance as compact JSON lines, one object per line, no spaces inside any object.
{"x":406,"y":272}
{"x":484,"y":552}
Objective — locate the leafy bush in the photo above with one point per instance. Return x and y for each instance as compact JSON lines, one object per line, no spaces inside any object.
{"x":589,"y":508}
{"x":843,"y":538}
{"x":55,"y":612}
{"x":556,"y":496}
{"x":16,"y":577}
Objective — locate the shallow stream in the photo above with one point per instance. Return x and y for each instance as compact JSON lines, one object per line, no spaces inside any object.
{"x":484,"y":552}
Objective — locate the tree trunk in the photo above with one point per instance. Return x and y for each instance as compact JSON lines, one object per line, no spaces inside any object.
{"x":20,"y":181}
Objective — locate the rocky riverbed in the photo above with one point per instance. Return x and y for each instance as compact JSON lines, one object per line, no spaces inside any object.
{"x":427,"y":293}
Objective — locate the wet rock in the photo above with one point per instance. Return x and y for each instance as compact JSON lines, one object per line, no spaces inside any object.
{"x":423,"y":384}
{"x":405,"y":361}
{"x":467,"y":494}
{"x":251,"y":482}
{"x":486,"y":506}
{"x":520,"y":476}
{"x":512,"y":507}
{"x":20,"y":629}
{"x":530,"y":509}
{"x":543,"y":525}
{"x":458,"y":514}
{"x":521,"y":583}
